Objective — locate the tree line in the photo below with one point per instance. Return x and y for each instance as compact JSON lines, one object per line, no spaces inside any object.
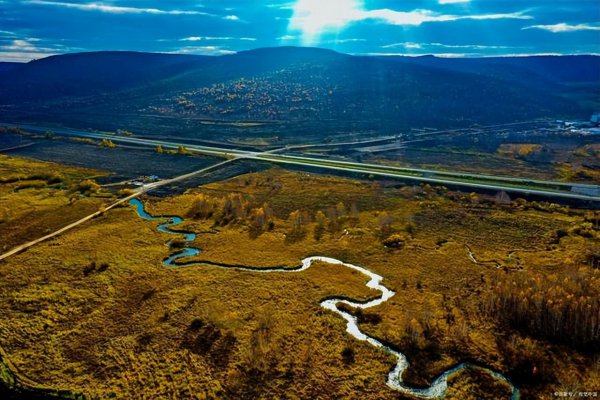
{"x":559,"y":308}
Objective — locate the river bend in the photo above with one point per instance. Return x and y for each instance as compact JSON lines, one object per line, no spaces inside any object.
{"x":394,"y":380}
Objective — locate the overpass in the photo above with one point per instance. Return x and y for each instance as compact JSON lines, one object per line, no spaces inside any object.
{"x":518,"y":185}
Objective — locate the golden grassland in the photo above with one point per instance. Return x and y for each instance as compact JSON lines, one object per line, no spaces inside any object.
{"x":520,"y":150}
{"x":94,"y":310}
{"x":534,"y":161}
{"x":478,"y":162}
{"x":37,"y":198}
{"x":577,"y":172}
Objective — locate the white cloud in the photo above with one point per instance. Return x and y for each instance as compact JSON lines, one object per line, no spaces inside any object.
{"x":27,"y":44}
{"x":192,"y":39}
{"x":472,"y":55}
{"x":26,"y":49}
{"x":441,"y":55}
{"x":19,"y":56}
{"x":111,"y":9}
{"x":410,"y":45}
{"x":419,"y":17}
{"x":315,"y":17}
{"x":453,"y":1}
{"x":203,"y":50}
{"x":231,"y":17}
{"x":406,"y":45}
{"x":563,"y":27}
{"x":349,"y":40}
{"x":282,"y":6}
{"x":287,"y":37}
{"x":211,"y":38}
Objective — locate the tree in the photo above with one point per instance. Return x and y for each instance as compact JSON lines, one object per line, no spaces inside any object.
{"x":332,"y":220}
{"x":320,"y":226}
{"x":395,"y":241}
{"x":159,"y":149}
{"x":88,"y":187}
{"x":125,"y":192}
{"x":502,"y":198}
{"x":258,"y":218}
{"x":261,"y":219}
{"x":108,"y":144}
{"x":558,"y":308}
{"x":354,"y":213}
{"x":203,"y":207}
{"x":183,"y":150}
{"x":594,"y":259}
{"x":299,"y":219}
{"x":474,"y":198}
{"x":235,"y":208}
{"x":384,"y":224}
{"x":341,"y":209}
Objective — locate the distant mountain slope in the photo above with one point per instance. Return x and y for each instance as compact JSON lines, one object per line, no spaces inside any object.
{"x":86,"y":74}
{"x":555,"y":69}
{"x":305,"y":84}
{"x":8,"y":66}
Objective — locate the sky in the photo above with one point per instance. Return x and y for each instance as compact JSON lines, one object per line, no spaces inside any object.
{"x":33,"y":29}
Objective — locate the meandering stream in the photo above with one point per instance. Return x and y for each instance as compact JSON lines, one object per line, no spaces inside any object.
{"x":439,"y":387}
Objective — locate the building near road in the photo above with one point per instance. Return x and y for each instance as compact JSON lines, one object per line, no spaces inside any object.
{"x":142,"y":180}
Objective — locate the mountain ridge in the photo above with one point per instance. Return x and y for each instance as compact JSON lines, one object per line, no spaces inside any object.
{"x":301,"y":84}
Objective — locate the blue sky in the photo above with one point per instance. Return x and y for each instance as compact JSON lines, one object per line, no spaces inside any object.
{"x":31,"y":29}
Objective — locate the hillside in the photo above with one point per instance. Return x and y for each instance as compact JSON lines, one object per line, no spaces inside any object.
{"x":8,"y":66}
{"x":302,"y":84}
{"x":86,"y":74}
{"x":554,"y":69}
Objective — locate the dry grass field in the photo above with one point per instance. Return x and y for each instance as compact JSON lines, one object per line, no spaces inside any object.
{"x":37,"y":198}
{"x":95,"y":311}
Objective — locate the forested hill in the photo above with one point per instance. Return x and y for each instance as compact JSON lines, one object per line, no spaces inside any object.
{"x":295,"y":84}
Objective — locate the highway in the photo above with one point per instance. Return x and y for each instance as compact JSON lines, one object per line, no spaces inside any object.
{"x":551,"y":189}
{"x":449,"y":174}
{"x":365,"y":169}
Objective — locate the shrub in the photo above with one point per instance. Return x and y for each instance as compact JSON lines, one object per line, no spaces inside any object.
{"x":109,"y":144}
{"x":53,"y":179}
{"x":87,"y":187}
{"x":125,"y":192}
{"x":196,"y":324}
{"x":203,"y":207}
{"x":348,"y":355}
{"x":88,"y":269}
{"x":177,"y":244}
{"x":183,"y":150}
{"x":395,"y":241}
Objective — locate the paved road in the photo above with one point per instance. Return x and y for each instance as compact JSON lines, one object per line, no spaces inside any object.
{"x":438,"y":181}
{"x":524,"y":186}
{"x":464,"y":175}
{"x":141,"y":190}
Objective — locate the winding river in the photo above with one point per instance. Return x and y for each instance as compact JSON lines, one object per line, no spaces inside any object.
{"x":439,"y":387}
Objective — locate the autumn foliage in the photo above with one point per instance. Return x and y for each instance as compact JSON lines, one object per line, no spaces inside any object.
{"x":563,"y":308}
